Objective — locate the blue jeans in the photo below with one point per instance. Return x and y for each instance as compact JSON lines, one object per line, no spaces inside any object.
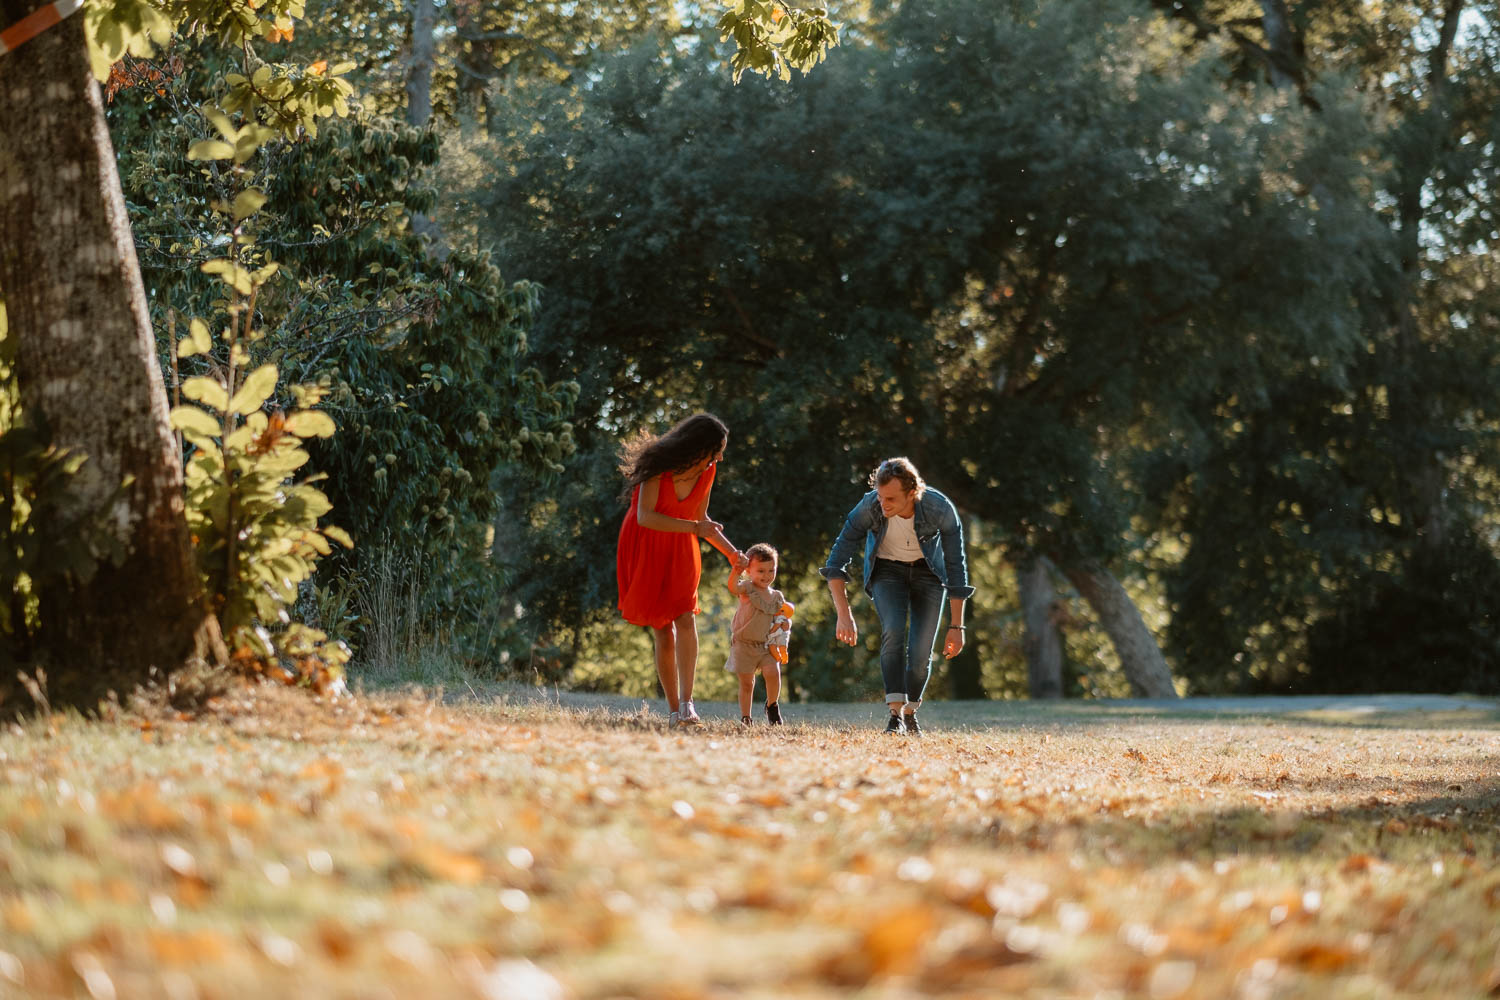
{"x":909,"y":600}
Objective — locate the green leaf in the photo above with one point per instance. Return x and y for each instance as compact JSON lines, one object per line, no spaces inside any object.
{"x":256,"y":390}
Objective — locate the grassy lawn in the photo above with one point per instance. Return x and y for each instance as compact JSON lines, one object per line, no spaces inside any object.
{"x":507,"y":847}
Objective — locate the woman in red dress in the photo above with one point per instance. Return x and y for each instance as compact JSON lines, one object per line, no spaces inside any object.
{"x":658,"y":563}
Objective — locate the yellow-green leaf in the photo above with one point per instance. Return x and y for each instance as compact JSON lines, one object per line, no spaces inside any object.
{"x":190,"y":419}
{"x":196,"y":342}
{"x":232,"y":274}
{"x":210,"y":149}
{"x":247,"y":203}
{"x":256,"y":390}
{"x":207,"y":391}
{"x":311,"y":423}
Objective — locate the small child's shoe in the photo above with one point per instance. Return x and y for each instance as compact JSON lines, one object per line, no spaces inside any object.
{"x":690,"y":715}
{"x":773,"y":714}
{"x":674,"y":720}
{"x":744,"y":720}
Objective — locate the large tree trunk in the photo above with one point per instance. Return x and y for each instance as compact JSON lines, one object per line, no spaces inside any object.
{"x":1043,"y":642}
{"x":86,"y":365}
{"x":1140,"y":656}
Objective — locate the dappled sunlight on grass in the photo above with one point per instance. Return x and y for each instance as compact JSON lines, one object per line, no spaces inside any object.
{"x":552,"y":845}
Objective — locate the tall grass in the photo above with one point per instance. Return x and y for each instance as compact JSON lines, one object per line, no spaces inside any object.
{"x":397,"y":650}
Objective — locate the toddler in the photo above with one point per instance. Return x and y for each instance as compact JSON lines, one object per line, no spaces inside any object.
{"x":755,"y":621}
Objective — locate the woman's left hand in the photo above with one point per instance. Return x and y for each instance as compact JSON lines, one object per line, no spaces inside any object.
{"x":954,"y":643}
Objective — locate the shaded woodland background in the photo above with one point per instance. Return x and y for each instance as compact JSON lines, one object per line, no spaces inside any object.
{"x":1190,"y":307}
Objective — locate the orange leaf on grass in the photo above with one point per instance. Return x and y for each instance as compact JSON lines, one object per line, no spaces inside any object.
{"x":1319,"y":957}
{"x":450,"y":866}
{"x":187,"y":947}
{"x":139,"y":806}
{"x":243,"y":815}
{"x":890,"y":945}
{"x":17,"y":915}
{"x":336,"y":940}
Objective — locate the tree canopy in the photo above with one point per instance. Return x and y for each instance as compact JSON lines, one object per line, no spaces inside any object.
{"x":1189,"y":306}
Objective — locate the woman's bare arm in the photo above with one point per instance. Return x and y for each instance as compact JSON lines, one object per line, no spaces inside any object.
{"x":647,"y":516}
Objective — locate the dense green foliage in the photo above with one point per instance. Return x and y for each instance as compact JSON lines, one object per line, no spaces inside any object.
{"x":422,"y":359}
{"x":1172,"y":289}
{"x":1060,"y":266}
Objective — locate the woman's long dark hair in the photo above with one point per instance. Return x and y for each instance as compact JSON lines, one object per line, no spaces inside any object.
{"x":646,"y":457}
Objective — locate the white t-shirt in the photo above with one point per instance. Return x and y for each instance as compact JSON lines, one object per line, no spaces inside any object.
{"x":900,"y":541}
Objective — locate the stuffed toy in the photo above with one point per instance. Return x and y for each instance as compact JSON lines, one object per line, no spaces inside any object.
{"x":781,"y":633}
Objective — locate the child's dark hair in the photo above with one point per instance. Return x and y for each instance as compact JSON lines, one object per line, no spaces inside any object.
{"x":763,"y":551}
{"x":646,"y":457}
{"x":901,"y":470}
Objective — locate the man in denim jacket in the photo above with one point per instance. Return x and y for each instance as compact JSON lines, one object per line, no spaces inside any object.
{"x":914,"y":552}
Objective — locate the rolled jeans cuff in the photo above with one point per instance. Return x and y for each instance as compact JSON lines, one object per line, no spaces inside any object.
{"x":895,"y":699}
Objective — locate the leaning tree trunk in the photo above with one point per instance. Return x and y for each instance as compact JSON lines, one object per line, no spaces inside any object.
{"x":86,"y":365}
{"x":1043,"y":642}
{"x":1412,"y":400}
{"x":1140,"y":656}
{"x":419,"y":107}
{"x":419,"y":71}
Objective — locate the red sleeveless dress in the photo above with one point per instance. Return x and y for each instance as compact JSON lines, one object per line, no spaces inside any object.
{"x":658,"y":571}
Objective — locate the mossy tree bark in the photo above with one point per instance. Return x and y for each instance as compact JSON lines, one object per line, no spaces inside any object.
{"x":87,"y":367}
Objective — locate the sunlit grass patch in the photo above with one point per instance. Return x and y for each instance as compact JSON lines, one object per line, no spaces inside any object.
{"x":501,"y":842}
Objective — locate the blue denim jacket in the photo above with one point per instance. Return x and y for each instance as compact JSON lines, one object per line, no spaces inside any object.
{"x":939,"y":533}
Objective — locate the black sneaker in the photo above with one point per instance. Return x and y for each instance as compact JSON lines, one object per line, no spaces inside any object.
{"x":911,"y":724}
{"x":773,"y":714}
{"x":895,"y":725}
